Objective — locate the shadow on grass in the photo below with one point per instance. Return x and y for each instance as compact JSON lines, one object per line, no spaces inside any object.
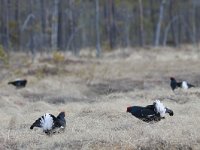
{"x":114,"y":86}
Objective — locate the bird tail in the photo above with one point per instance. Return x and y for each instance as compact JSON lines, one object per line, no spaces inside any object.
{"x":46,"y":121}
{"x":159,"y":108}
{"x":10,"y":82}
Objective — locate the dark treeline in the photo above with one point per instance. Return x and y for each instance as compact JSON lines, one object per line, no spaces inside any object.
{"x":37,"y":25}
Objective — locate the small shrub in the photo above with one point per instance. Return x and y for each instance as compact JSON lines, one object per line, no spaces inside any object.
{"x":3,"y":55}
{"x":58,"y":57}
{"x":43,"y":71}
{"x":106,"y":47}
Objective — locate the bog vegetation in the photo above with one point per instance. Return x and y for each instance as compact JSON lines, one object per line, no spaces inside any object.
{"x":140,"y":44}
{"x":94,"y":93}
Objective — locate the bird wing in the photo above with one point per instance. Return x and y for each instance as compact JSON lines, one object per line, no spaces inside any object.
{"x":151,"y":107}
{"x":36,"y":124}
{"x":190,"y":85}
{"x":58,"y":123}
{"x":179,"y":84}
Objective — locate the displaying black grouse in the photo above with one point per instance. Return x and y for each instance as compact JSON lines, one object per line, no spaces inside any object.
{"x":183,"y":84}
{"x":49,"y":122}
{"x":154,"y":112}
{"x":19,"y":83}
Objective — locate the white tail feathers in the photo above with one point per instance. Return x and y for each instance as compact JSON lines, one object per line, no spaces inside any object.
{"x":159,"y":108}
{"x":184,"y":85}
{"x":46,"y":122}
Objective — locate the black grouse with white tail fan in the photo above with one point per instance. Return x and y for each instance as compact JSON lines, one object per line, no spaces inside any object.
{"x":49,"y":122}
{"x":154,"y":112}
{"x":183,"y":84}
{"x":19,"y":83}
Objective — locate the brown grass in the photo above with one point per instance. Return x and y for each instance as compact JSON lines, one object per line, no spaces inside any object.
{"x":95,"y":93}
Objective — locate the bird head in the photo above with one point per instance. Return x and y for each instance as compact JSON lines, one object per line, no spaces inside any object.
{"x":172,"y":78}
{"x":61,"y":115}
{"x":171,"y":113}
{"x":129,"y":109}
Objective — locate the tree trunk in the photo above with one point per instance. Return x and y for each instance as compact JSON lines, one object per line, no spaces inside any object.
{"x":98,"y":48}
{"x":1,"y":21}
{"x":54,"y":26}
{"x":43,"y":24}
{"x":153,"y":20}
{"x":17,"y":30}
{"x":43,"y":15}
{"x":158,"y":28}
{"x":5,"y":25}
{"x":194,"y":39}
{"x":31,"y":36}
{"x":110,"y":23}
{"x":72,"y":28}
{"x":170,"y":24}
{"x":83,"y":16}
{"x":127,"y":29}
{"x":142,"y":40}
{"x":171,"y":15}
{"x":60,"y":25}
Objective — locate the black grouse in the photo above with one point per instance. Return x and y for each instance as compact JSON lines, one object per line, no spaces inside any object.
{"x":183,"y":84}
{"x":154,"y":112}
{"x":49,"y":123}
{"x":19,"y":83}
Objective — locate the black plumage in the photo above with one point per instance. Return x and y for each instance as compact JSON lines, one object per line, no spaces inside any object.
{"x":183,"y":84}
{"x":174,"y":84}
{"x":148,"y":113}
{"x":169,"y":111}
{"x":190,"y":85}
{"x":20,"y":83}
{"x":144,"y":113}
{"x":61,"y":119}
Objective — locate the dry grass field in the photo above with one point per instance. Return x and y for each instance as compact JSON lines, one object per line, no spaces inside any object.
{"x":95,"y":93}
